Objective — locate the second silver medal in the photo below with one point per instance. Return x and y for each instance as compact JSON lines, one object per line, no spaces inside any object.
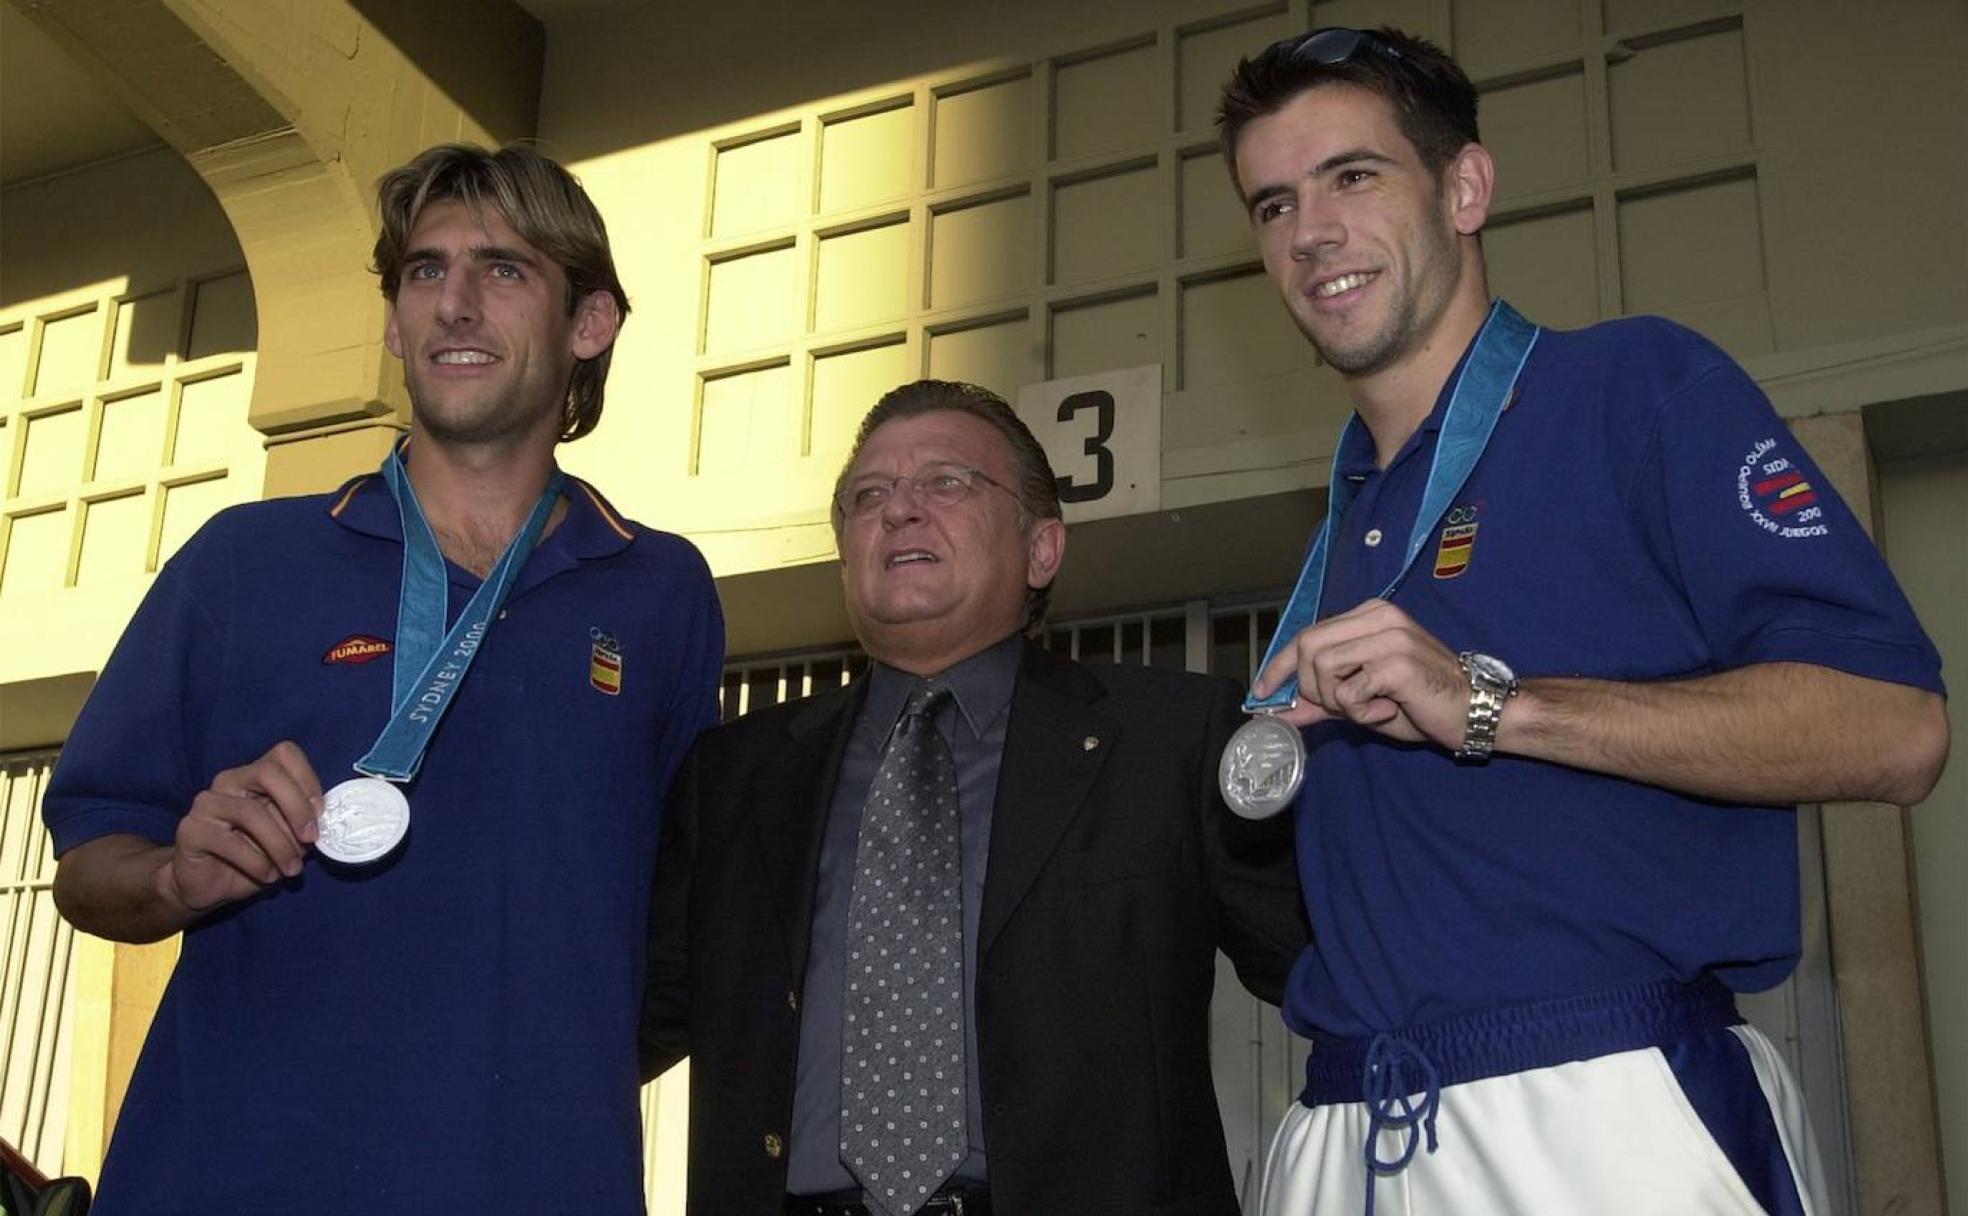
{"x":1262,"y":767}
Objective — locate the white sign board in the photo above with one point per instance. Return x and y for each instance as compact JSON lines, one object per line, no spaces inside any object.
{"x":1103,"y":434}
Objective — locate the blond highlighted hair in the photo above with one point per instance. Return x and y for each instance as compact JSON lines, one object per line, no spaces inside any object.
{"x":543,"y":203}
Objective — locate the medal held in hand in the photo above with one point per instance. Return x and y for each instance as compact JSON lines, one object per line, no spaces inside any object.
{"x":362,"y":820}
{"x":1265,"y":762}
{"x":1262,"y":768}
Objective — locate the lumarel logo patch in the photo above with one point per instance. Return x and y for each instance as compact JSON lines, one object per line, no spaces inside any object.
{"x":356,"y":648}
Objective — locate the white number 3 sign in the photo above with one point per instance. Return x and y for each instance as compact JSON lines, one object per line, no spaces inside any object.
{"x":1103,"y":434}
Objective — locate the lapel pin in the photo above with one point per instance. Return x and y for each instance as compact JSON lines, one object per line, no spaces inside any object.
{"x":1089,"y":743}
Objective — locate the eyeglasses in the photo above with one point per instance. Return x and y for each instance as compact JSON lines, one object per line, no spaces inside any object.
{"x":1336,"y":44}
{"x":939,"y":485}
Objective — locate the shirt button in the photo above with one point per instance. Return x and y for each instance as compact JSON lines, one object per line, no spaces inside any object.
{"x":1373,"y":537}
{"x":775,"y":1148}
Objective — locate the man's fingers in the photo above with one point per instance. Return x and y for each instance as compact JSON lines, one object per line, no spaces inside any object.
{"x":1305,"y":713}
{"x":1282,"y":665}
{"x":294,"y":763}
{"x":1368,"y":619}
{"x":294,"y":798}
{"x":1360,"y":699}
{"x":253,"y":820}
{"x":285,"y":779}
{"x":209,"y":837}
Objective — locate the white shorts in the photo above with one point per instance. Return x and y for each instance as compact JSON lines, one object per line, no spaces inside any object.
{"x":1617,"y":1135}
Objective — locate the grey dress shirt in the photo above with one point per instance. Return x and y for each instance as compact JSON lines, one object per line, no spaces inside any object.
{"x":974,"y":725}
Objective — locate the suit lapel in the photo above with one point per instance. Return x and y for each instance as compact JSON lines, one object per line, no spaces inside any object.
{"x":1055,"y":745}
{"x":796,"y":795}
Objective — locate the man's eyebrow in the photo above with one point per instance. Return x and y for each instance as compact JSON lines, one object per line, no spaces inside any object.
{"x":1325,"y":168}
{"x":477,"y":253}
{"x":1352,"y":156}
{"x":502,"y":253}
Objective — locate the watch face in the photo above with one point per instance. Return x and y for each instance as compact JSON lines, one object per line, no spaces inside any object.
{"x":1491,"y":669}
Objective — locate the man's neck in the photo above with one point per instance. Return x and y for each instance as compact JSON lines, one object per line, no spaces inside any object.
{"x":476,"y":498}
{"x":1395,"y":401}
{"x":927,"y":661}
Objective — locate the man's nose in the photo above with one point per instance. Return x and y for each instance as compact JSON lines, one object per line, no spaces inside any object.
{"x":457,"y":298}
{"x":1315,"y":227}
{"x":904,"y":503}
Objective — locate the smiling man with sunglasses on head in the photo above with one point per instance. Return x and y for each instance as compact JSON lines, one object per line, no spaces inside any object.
{"x":1536,"y":882}
{"x":945,"y":940}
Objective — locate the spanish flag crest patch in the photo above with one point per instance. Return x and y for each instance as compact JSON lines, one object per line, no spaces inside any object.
{"x":604,"y":662}
{"x":1452,"y":555}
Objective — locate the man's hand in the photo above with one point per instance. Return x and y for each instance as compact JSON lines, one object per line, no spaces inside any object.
{"x":252,"y":827}
{"x":1375,"y":667}
{"x":1771,"y":733}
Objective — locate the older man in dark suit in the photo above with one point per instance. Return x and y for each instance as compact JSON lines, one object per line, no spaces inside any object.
{"x":943,"y":940}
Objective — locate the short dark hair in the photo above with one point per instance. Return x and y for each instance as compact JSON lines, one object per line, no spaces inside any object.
{"x":544,"y":204}
{"x":1434,"y":103}
{"x":1037,"y":489}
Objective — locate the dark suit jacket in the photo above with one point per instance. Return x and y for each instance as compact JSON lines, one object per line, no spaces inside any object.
{"x":1115,"y":872}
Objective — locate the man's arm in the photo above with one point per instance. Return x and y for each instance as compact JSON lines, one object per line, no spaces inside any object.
{"x":1253,"y":871}
{"x":246,"y":832}
{"x":1770,"y":733}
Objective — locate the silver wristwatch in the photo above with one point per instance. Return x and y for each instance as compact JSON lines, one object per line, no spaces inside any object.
{"x":1491,"y":683}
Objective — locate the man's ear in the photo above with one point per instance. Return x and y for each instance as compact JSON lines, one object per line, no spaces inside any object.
{"x":597,"y":319}
{"x":1045,"y":548}
{"x":391,"y":338}
{"x":1471,"y":184}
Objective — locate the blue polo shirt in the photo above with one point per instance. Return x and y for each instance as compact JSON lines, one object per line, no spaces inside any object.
{"x":451,"y":1029}
{"x":1641,"y":513}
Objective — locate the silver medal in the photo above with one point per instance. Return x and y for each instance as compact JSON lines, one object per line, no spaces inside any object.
{"x":362,"y":819}
{"x":1262,"y":768}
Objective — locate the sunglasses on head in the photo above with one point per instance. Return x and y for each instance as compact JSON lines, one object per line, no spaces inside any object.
{"x":1336,"y":44}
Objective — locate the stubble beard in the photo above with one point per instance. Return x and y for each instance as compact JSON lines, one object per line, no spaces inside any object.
{"x":1404,"y":328}
{"x":499,"y":418}
{"x":1376,"y":351}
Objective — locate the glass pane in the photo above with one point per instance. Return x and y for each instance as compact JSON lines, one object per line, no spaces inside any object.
{"x":1168,"y":643}
{"x":1230,"y":650}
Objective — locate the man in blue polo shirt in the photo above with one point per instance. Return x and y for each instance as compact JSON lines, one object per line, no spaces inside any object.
{"x":392,"y":759}
{"x":1584,"y":625}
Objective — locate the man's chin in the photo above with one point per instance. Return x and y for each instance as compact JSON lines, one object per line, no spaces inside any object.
{"x":902,"y":628}
{"x":1361,"y":357}
{"x":471,"y":422}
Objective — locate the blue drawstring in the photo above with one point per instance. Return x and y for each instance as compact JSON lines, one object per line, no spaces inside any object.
{"x":1386,"y":1085}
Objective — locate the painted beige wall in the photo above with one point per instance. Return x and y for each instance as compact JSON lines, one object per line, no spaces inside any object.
{"x":1698,"y":159}
{"x":1921,"y":502}
{"x":77,"y":228}
{"x":139,"y":327}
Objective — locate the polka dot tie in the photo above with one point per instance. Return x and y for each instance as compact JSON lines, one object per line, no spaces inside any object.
{"x":902,"y":1034}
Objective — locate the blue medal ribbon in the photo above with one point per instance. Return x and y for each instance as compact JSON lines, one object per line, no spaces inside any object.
{"x":1488,"y":376}
{"x":430,"y":662}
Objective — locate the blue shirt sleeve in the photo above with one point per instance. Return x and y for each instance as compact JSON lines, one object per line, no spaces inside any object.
{"x":701,"y":668}
{"x":129,"y":764}
{"x":1774,"y":565}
